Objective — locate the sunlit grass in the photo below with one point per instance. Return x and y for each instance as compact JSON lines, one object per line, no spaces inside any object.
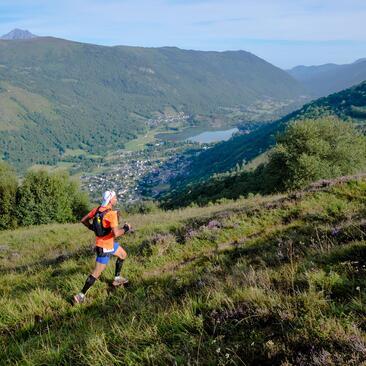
{"x":263,"y":281}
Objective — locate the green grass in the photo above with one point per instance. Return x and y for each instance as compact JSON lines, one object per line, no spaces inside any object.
{"x":140,"y":142}
{"x":153,"y":135}
{"x":61,"y":165}
{"x":77,"y":152}
{"x":262,"y":281}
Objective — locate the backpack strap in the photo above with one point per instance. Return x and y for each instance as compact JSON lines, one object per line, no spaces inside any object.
{"x":98,"y":227}
{"x":101,"y":212}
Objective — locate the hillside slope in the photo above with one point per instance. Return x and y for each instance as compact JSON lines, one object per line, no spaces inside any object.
{"x":263,"y":281}
{"x":57,"y":94}
{"x":325,"y":79}
{"x":348,"y":104}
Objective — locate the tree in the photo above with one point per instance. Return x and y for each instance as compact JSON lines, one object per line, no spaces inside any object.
{"x":8,"y":188}
{"x":49,"y":197}
{"x":315,"y":149}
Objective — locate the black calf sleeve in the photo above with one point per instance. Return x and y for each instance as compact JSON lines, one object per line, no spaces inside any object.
{"x":88,"y":283}
{"x":119,"y":264}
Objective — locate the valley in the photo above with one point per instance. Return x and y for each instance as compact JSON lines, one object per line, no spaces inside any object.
{"x":144,"y":167}
{"x":98,"y":98}
{"x":140,"y":172}
{"x":129,"y":173}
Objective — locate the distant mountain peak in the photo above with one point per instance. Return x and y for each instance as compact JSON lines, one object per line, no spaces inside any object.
{"x":18,"y":34}
{"x":360,"y":60}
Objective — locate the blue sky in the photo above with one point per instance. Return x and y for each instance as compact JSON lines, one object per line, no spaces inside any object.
{"x":284,"y":32}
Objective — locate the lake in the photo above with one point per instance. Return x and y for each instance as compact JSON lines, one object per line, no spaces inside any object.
{"x":198,"y":134}
{"x":207,"y":137}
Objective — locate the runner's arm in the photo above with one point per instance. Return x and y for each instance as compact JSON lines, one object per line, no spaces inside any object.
{"x":119,"y":232}
{"x":86,"y":222}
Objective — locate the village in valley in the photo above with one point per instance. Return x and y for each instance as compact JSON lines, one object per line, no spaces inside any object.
{"x":144,"y":166}
{"x":130,"y":172}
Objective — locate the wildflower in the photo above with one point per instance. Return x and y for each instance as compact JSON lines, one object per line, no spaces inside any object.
{"x":218,"y":350}
{"x":335,"y":231}
{"x":227,"y":355}
{"x":270,"y":343}
{"x":358,"y":288}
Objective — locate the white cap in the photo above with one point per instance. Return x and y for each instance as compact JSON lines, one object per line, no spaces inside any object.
{"x":107,"y":196}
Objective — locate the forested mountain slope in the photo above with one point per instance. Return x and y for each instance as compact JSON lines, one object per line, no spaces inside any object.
{"x":348,"y":104}
{"x":56,"y":94}
{"x":325,"y":79}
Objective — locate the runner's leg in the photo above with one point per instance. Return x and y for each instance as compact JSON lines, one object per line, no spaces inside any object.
{"x":122,"y":255}
{"x":99,"y":268}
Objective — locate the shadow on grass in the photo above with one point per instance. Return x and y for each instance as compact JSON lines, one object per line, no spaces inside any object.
{"x":82,"y":252}
{"x":153,"y":299}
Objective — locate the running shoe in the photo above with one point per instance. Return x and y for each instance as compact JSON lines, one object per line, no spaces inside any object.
{"x":119,"y":281}
{"x":79,"y":298}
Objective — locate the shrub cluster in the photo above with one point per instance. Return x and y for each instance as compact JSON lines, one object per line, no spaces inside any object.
{"x":41,"y":198}
{"x":315,"y":149}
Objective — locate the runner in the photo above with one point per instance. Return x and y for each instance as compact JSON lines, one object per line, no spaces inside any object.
{"x":104,"y":222}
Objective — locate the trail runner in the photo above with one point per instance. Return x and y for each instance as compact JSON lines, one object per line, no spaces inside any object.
{"x":103,"y":220}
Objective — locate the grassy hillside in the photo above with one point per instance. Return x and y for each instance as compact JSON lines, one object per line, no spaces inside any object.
{"x":57,"y":95}
{"x":325,"y":79}
{"x":263,"y":281}
{"x":349,"y":104}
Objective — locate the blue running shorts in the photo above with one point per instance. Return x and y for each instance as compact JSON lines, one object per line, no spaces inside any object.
{"x":104,"y":255}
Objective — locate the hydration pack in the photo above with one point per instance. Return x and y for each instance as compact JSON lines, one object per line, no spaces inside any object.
{"x":98,"y":227}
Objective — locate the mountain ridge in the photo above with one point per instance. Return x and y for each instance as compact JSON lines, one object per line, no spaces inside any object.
{"x":83,"y":94}
{"x":322,"y":80}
